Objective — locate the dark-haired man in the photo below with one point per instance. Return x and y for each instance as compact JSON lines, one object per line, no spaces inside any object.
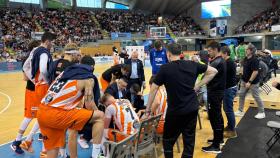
{"x":179,"y":77}
{"x":230,"y":92}
{"x":157,"y":57}
{"x":250,"y":81}
{"x":113,"y":73}
{"x":215,"y":95}
{"x":118,"y":88}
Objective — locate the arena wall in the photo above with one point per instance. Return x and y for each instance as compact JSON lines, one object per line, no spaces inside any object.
{"x":241,"y":11}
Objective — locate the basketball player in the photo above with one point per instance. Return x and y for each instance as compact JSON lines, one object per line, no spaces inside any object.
{"x":113,"y":73}
{"x":159,"y":105}
{"x":124,"y":116}
{"x":30,"y":111}
{"x":61,"y":109}
{"x":37,"y":68}
{"x":158,"y":57}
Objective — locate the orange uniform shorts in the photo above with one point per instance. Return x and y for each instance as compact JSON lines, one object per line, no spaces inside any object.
{"x":104,"y":84}
{"x":160,"y":127}
{"x":117,"y":137}
{"x":31,"y":108}
{"x":40,"y":92}
{"x":54,"y":122}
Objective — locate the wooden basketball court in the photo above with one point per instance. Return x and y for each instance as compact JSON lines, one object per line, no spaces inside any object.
{"x":12,"y":88}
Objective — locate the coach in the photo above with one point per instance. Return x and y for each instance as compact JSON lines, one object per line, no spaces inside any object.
{"x":179,"y":77}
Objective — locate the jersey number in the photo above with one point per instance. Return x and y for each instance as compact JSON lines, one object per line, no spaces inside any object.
{"x":127,"y":109}
{"x":57,"y":86}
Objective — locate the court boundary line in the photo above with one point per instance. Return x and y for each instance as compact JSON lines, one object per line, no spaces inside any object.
{"x":11,"y":141}
{"x":9,"y":103}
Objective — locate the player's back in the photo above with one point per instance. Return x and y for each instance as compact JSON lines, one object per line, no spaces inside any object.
{"x":125,"y":117}
{"x":63,"y":94}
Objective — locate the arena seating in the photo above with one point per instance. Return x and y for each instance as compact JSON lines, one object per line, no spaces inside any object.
{"x":184,"y":26}
{"x":260,"y":22}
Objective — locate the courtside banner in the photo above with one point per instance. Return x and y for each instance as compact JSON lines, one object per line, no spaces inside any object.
{"x":10,"y":66}
{"x":120,"y":36}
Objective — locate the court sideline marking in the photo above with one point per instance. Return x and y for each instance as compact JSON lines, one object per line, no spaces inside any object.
{"x":9,"y":103}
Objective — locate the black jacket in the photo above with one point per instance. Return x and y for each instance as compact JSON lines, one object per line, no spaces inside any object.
{"x":140,"y":69}
{"x":113,"y":90}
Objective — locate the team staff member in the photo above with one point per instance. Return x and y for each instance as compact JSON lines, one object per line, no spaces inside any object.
{"x":250,"y":81}
{"x":124,"y":116}
{"x":30,"y":110}
{"x":157,"y":57}
{"x":178,"y":77}
{"x":118,"y":88}
{"x":113,"y":73}
{"x":230,"y":92}
{"x":215,"y":95}
{"x":136,"y":75}
{"x":61,"y":109}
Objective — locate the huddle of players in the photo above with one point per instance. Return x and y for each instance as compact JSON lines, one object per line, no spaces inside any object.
{"x":63,"y":97}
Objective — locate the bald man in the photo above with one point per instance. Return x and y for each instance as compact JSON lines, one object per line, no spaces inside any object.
{"x":137,"y":71}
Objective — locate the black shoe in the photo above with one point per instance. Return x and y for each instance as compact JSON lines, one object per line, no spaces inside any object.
{"x":211,"y":149}
{"x":40,"y":137}
{"x":210,"y":141}
{"x":15,"y":146}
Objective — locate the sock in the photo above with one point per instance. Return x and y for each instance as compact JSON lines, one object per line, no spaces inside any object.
{"x":62,"y":152}
{"x":43,"y":147}
{"x":95,"y":150}
{"x":33,"y":131}
{"x":24,"y":124}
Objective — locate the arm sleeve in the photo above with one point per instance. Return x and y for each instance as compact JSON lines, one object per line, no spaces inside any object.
{"x":255,"y":65}
{"x":44,"y":66}
{"x":201,"y":68}
{"x":160,"y":77}
{"x":109,"y":112}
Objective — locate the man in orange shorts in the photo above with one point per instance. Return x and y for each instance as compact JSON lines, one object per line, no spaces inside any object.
{"x":61,"y":109}
{"x":125,"y":118}
{"x":30,"y":109}
{"x":113,"y":73}
{"x":37,"y":68}
{"x":159,"y":105}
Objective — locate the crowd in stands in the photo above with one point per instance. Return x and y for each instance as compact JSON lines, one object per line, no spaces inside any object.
{"x":16,"y":26}
{"x":125,"y":21}
{"x":184,"y":26}
{"x":260,"y":22}
{"x":77,"y":24}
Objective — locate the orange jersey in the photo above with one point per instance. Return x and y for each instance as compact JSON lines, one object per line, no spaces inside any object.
{"x":162,"y":108}
{"x":124,"y":116}
{"x":63,"y":94}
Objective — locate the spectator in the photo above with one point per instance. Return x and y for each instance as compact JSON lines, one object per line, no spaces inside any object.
{"x":250,"y":81}
{"x":230,"y":92}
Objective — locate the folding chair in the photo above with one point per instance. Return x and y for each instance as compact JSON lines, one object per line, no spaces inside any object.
{"x":122,"y":149}
{"x":275,"y":126}
{"x":145,"y":141}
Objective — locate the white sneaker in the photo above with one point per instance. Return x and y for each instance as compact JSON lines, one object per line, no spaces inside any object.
{"x":239,"y":113}
{"x":83,"y":143}
{"x":260,"y":115}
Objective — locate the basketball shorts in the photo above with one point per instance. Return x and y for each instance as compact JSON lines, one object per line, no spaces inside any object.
{"x":160,"y":127}
{"x":30,"y":108}
{"x":40,"y":92}
{"x":115,"y":136}
{"x":104,"y":84}
{"x":54,"y":122}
